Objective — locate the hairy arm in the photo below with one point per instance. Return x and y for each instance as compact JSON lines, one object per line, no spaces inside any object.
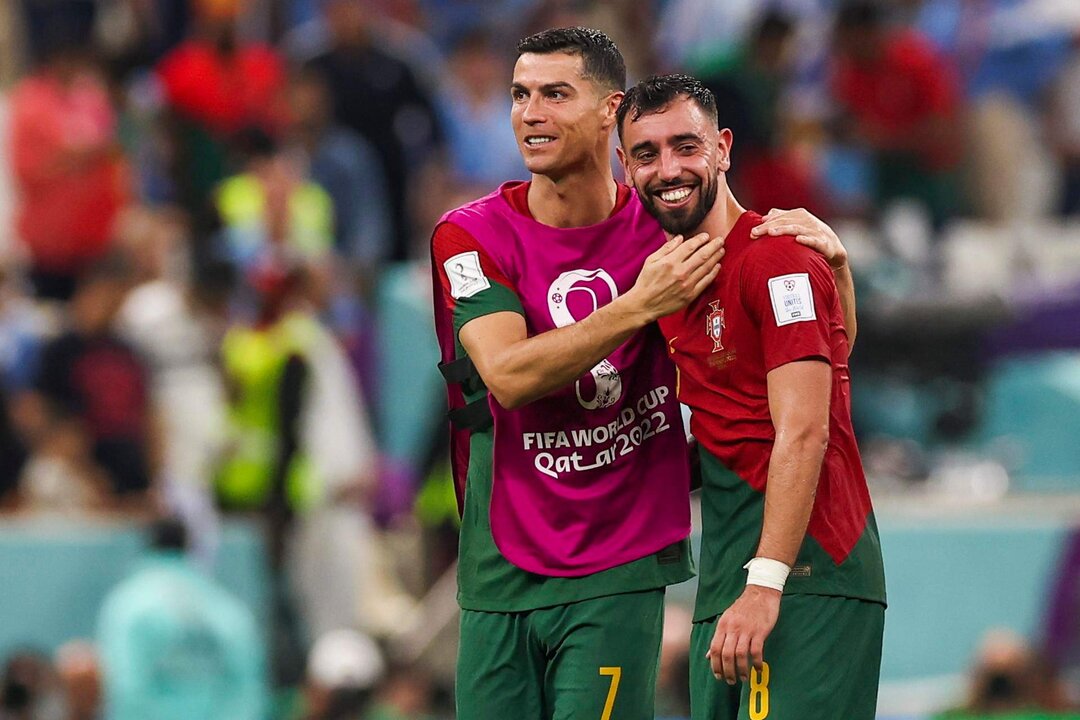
{"x":519,"y":369}
{"x":799,"y":403}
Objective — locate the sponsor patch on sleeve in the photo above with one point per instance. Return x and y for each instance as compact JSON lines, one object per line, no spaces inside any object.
{"x":466,"y":275}
{"x":792,"y":298}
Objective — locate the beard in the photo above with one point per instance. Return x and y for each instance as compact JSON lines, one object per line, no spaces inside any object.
{"x":680,"y":221}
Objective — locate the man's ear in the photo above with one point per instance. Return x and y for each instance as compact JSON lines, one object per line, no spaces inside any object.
{"x":611,"y":107}
{"x":622,"y":160}
{"x":723,"y":149}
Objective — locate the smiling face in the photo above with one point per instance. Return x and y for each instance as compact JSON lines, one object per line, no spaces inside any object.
{"x":675,"y":157}
{"x":562,"y":119}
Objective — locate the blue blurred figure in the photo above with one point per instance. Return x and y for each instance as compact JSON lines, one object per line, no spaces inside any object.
{"x":176,"y":646}
{"x":474,"y":105}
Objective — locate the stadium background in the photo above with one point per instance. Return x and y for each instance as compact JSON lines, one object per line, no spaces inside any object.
{"x":178,"y":205}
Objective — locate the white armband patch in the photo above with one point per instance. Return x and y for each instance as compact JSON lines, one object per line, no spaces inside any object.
{"x":466,"y":275}
{"x":792,"y":298}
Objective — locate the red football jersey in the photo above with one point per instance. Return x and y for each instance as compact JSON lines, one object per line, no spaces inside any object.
{"x":774,"y":302}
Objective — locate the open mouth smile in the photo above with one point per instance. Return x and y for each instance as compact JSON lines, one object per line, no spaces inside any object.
{"x":675,"y":197}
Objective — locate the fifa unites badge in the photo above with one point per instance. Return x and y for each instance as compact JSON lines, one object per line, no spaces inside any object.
{"x":714,"y":325}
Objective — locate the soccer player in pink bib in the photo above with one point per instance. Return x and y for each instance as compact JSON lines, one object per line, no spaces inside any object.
{"x":567,"y":431}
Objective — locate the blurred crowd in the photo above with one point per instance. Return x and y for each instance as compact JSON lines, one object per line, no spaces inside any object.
{"x":199,"y":200}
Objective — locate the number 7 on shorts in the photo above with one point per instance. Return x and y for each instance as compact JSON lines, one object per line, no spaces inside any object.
{"x":616,"y":674}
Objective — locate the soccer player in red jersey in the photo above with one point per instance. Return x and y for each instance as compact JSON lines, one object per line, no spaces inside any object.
{"x":762,"y":356}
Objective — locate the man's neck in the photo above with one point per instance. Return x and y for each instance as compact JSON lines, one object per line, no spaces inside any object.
{"x":583,"y":198}
{"x":723,"y":216}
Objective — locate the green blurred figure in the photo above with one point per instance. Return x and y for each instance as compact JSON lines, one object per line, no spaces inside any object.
{"x":176,"y":646}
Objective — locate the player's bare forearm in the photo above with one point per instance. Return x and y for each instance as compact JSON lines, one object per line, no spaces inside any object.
{"x":518,"y":369}
{"x":799,"y":403}
{"x":845,"y":286}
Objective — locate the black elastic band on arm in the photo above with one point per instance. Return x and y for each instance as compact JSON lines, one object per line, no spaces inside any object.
{"x":457,"y":371}
{"x":475,"y":417}
{"x":462,"y":372}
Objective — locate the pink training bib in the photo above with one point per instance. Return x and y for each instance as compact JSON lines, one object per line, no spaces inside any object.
{"x":594,"y":475}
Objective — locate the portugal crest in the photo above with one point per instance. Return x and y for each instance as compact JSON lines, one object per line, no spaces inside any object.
{"x":714,"y":325}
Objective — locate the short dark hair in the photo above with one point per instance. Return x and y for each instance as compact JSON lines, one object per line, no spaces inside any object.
{"x":658,"y":91}
{"x":169,"y":534}
{"x":860,"y":15}
{"x":601,"y":60}
{"x":775,"y":25}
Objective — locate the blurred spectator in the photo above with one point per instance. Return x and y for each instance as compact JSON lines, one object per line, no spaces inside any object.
{"x":7,"y":181}
{"x":343,"y":670}
{"x":1008,"y":54}
{"x":30,"y":690}
{"x":269,"y":213}
{"x":23,"y":325}
{"x":11,"y":36}
{"x":630,"y":24}
{"x":176,"y":326}
{"x":61,"y":475}
{"x":406,"y":694}
{"x":692,"y":33}
{"x":673,"y":677}
{"x":177,"y":646}
{"x":217,"y":80}
{"x":70,"y":180}
{"x":902,"y":99}
{"x":378,"y":95}
{"x":749,"y":86}
{"x":1016,"y":47}
{"x":301,"y":451}
{"x":474,"y":105}
{"x":1064,"y":130}
{"x":1009,"y":680}
{"x":12,"y":455}
{"x":347,"y":167}
{"x":400,"y":28}
{"x":79,"y":674}
{"x":449,"y":21}
{"x":217,"y":85}
{"x":94,"y":388}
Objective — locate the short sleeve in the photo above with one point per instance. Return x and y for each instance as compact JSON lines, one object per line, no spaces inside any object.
{"x":472,"y":284}
{"x":789,"y":292}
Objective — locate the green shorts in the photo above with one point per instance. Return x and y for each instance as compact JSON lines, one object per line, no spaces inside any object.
{"x":822,"y":662}
{"x":590,"y":660}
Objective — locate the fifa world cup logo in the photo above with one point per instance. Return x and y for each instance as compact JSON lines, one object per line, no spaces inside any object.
{"x":572,"y":297}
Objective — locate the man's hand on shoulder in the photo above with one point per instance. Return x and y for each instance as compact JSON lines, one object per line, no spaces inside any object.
{"x":808,"y":230}
{"x":675,"y":275}
{"x":741,"y":631}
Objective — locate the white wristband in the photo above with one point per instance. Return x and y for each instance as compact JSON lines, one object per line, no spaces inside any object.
{"x":767,"y":573}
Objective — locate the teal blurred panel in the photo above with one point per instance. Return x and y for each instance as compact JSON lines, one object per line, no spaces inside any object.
{"x":1031,"y":418}
{"x":411,"y":395}
{"x":882,"y":404}
{"x":53,"y":578}
{"x":54,"y":575}
{"x":949,"y":581}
